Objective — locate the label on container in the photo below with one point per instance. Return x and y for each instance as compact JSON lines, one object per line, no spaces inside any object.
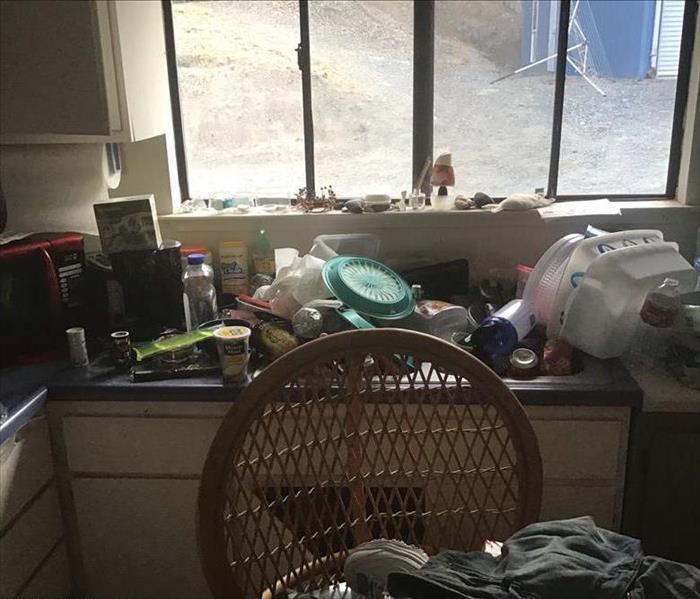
{"x":234,"y":269}
{"x":265,"y":266}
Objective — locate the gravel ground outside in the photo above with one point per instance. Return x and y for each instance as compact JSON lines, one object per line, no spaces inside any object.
{"x":241,"y":97}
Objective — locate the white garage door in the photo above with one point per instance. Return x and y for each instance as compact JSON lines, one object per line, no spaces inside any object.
{"x":670,"y":29}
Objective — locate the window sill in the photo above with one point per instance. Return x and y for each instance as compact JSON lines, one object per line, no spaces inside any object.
{"x":642,"y":213}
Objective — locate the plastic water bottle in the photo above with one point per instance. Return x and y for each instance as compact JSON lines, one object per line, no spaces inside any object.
{"x":199,"y":292}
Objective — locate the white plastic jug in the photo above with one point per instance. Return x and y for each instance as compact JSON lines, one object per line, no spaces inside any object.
{"x":602,"y":312}
{"x":585,"y":252}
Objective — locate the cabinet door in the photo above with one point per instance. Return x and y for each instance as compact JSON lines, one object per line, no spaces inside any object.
{"x":25,"y":467}
{"x":138,"y":538}
{"x":28,"y":542}
{"x":52,"y":580}
{"x":52,"y":78}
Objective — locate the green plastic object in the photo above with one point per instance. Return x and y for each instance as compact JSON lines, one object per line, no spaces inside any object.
{"x":149,"y":349}
{"x":368,"y":286}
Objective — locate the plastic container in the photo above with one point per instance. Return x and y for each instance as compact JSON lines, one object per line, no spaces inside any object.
{"x":602,"y":314}
{"x":500,"y":333}
{"x":187,"y":250}
{"x":199,"y":295}
{"x":351,"y":244}
{"x":652,"y":337}
{"x":232,"y":344}
{"x":436,"y":318}
{"x":442,"y":203}
{"x":541,"y":289}
{"x":233,"y":261}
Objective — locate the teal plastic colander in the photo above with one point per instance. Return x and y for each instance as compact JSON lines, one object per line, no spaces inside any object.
{"x":368,"y":287}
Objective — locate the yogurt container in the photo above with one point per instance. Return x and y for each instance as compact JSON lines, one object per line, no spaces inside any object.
{"x":232,"y":344}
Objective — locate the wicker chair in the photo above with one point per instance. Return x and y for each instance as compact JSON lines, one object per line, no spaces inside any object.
{"x":360,"y":435}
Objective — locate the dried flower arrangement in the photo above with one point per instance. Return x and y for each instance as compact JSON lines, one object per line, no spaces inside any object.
{"x":307,"y":200}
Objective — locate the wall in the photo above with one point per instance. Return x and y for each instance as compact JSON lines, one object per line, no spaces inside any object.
{"x":486,"y":240}
{"x":53,"y":187}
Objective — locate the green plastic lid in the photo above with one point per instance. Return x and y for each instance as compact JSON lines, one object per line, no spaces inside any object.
{"x":368,"y":287}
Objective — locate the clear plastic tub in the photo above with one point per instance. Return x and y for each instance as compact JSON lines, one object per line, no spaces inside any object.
{"x":349,"y":244}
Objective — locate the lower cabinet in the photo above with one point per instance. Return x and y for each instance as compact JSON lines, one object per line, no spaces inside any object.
{"x":52,"y":580}
{"x":33,"y":559}
{"x":130,"y":473}
{"x":138,"y":538}
{"x":663,"y":504}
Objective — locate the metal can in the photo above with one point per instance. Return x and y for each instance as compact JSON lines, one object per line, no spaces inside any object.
{"x":76,"y":347}
{"x":121,"y":349}
{"x":523,"y":363}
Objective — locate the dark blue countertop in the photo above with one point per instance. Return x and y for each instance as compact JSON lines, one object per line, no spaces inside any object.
{"x":601,"y":383}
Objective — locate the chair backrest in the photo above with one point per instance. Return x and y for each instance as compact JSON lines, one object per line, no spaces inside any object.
{"x":360,"y":435}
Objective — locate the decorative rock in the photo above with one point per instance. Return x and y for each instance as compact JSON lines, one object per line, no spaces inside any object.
{"x":481,"y":199}
{"x":462,"y":203}
{"x":354,"y":206}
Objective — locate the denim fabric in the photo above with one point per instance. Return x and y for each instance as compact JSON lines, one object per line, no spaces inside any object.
{"x":562,"y":559}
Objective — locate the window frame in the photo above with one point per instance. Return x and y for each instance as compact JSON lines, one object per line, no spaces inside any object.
{"x":423,"y":98}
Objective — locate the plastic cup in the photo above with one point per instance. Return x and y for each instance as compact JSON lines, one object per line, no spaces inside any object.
{"x":232,"y":344}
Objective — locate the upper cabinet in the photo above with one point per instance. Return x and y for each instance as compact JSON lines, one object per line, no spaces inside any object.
{"x":90,"y":71}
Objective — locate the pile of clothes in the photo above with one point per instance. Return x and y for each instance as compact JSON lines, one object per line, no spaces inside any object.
{"x":562,"y":559}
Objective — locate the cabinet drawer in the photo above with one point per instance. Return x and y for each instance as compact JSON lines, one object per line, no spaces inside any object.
{"x":53,"y":578}
{"x":29,"y":541}
{"x":580,"y":449}
{"x":125,"y":444}
{"x":25,"y":466}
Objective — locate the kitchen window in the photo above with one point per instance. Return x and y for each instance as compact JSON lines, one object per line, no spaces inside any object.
{"x":581,"y":98}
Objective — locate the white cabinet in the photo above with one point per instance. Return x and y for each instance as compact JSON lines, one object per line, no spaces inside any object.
{"x":133,"y":468}
{"x":92,"y":71}
{"x":33,"y":561}
{"x":138,"y":537}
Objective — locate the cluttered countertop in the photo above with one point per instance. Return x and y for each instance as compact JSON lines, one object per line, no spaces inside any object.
{"x":600,"y":383}
{"x":554,"y":331}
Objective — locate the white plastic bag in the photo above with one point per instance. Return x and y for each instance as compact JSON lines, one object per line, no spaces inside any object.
{"x":295,"y":285}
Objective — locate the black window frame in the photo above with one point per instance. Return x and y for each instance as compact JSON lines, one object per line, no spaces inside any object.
{"x":423,"y":97}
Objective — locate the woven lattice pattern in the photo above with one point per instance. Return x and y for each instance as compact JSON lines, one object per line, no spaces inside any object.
{"x":366,"y":442}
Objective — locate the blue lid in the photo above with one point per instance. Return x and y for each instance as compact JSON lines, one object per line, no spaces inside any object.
{"x":498,"y":336}
{"x":195,"y":259}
